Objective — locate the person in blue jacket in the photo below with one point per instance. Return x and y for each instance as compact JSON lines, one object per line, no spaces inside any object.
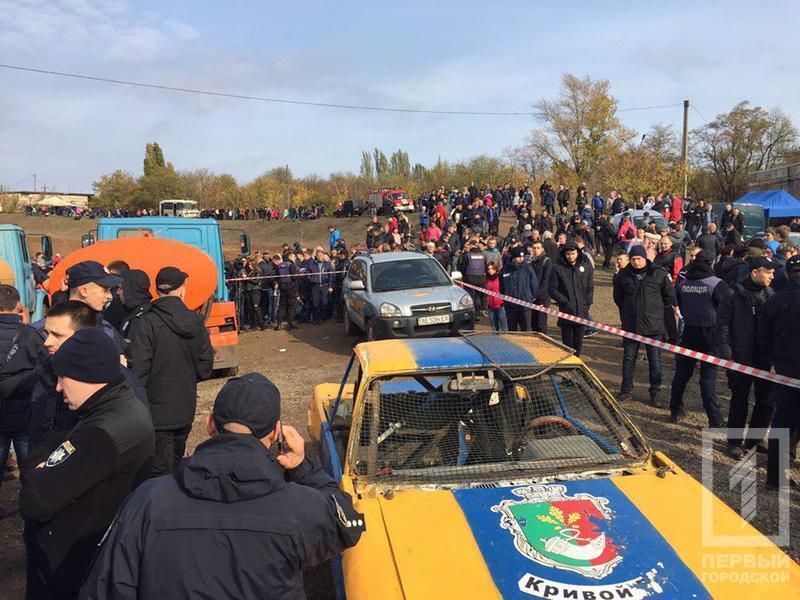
{"x":519,"y":281}
{"x":333,"y":236}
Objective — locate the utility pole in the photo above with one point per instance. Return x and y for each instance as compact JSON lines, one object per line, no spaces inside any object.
{"x":34,"y":182}
{"x":685,"y":148}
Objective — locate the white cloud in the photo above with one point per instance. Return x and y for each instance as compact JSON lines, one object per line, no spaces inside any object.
{"x":89,"y":29}
{"x":181,"y":31}
{"x":138,"y":44}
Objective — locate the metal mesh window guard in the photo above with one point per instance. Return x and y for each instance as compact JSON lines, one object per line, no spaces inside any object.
{"x":452,"y":427}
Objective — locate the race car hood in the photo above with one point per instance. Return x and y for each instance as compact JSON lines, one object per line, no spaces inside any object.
{"x":636,"y":536}
{"x":428,"y":295}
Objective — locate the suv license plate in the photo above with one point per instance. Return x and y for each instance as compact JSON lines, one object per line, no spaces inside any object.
{"x":433,"y":320}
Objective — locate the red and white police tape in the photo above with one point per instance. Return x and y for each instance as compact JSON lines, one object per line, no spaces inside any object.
{"x":281,"y":276}
{"x":714,"y":360}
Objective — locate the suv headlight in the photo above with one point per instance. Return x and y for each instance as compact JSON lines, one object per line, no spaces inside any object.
{"x":390,"y":310}
{"x":466,"y":302}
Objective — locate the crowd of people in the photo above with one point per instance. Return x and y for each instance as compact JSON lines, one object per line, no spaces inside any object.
{"x":292,"y":213}
{"x":98,"y":400}
{"x":686,"y":282}
{"x":99,"y":397}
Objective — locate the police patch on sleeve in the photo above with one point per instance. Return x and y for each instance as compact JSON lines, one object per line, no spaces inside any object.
{"x":343,"y":516}
{"x":60,"y":454}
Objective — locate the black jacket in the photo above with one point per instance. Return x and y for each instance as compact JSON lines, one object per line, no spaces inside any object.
{"x":169,"y":353}
{"x":69,"y":502}
{"x":48,"y":413}
{"x":20,"y":350}
{"x":543,"y":267}
{"x":518,"y":281}
{"x":551,"y":249}
{"x":711,"y":245}
{"x":231,"y":523}
{"x":136,"y":289}
{"x":641,"y":297}
{"x":779,"y":330}
{"x":572,"y":286}
{"x":606,"y":232}
{"x":731,"y":270}
{"x":737,"y":322}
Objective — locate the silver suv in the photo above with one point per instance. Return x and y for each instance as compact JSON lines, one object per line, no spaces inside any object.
{"x":404,"y":294}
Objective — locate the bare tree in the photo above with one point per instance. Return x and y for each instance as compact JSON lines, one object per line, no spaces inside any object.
{"x":742,"y":141}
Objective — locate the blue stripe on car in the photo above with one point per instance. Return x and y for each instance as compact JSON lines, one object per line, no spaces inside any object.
{"x":642,"y":548}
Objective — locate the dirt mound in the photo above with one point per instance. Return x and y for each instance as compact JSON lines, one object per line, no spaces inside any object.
{"x":66,"y":232}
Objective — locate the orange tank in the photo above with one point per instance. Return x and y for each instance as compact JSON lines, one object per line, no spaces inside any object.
{"x":150,"y":254}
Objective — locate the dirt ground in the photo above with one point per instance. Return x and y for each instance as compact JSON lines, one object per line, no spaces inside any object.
{"x":66,"y":232}
{"x":298,"y":360}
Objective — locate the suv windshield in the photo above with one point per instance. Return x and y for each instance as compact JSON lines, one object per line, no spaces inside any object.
{"x":451,"y":427}
{"x":407,"y":274}
{"x":641,"y":221}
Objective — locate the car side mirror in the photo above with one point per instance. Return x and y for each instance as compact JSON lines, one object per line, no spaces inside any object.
{"x":87,"y":240}
{"x":47,"y":247}
{"x":356,"y":285}
{"x":244,"y":244}
{"x":456,"y":276}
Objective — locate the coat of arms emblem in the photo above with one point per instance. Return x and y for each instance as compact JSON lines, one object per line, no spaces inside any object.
{"x":561,"y":531}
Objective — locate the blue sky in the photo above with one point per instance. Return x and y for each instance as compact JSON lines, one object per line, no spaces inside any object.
{"x":482,"y":56}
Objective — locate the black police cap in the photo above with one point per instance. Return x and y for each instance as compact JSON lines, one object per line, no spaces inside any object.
{"x":90,"y":271}
{"x":170,"y":278}
{"x":251,"y":400}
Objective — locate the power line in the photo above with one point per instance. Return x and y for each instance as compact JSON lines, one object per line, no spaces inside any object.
{"x":699,"y":115}
{"x":261,"y":98}
{"x":186,"y":90}
{"x":650,"y":107}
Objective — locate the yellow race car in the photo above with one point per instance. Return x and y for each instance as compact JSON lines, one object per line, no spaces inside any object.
{"x":499,"y":466}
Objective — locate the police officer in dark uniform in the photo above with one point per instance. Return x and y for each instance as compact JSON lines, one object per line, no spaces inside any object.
{"x":74,"y":482}
{"x":89,"y":282}
{"x":472,"y":265}
{"x":737,"y":324}
{"x":289,"y":289}
{"x":239,"y":519}
{"x":48,"y":412}
{"x":698,"y":296}
{"x":518,"y":280}
{"x":779,"y":332}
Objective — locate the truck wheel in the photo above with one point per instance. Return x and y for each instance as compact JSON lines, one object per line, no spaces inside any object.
{"x":349,"y":326}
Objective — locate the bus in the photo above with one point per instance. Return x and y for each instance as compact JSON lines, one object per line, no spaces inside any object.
{"x":179,"y":208}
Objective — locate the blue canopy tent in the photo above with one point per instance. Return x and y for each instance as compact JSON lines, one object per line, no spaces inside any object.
{"x":777,"y":203}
